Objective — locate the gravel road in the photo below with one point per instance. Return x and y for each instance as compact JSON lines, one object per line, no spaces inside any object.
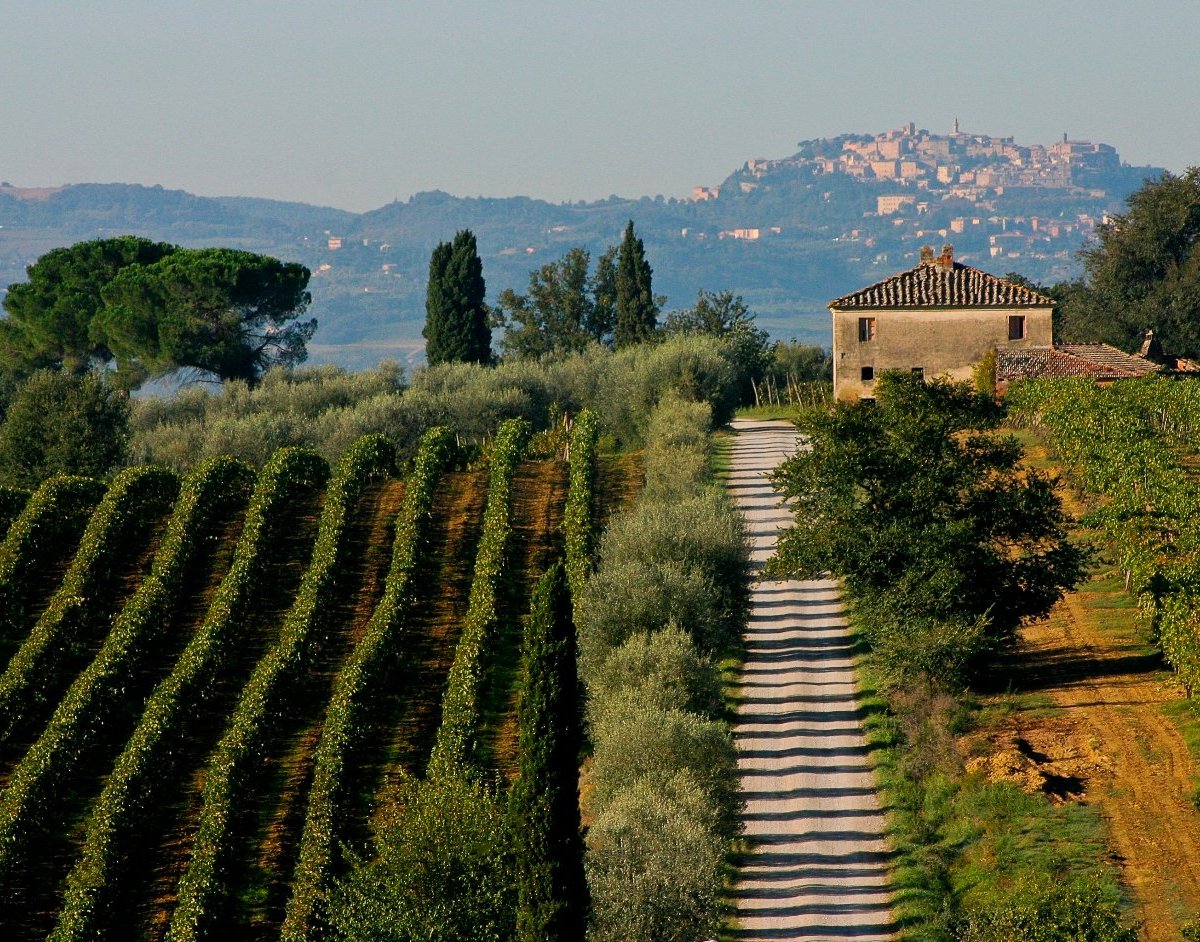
{"x":819,"y":865}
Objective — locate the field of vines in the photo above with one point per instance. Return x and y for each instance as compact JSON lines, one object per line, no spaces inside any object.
{"x":212,"y":684}
{"x":1132,"y":450}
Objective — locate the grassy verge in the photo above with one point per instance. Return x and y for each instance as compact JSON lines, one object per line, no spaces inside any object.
{"x":962,"y":841}
{"x":788,"y":412}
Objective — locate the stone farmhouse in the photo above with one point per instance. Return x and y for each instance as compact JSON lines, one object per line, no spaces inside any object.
{"x":937,"y":319}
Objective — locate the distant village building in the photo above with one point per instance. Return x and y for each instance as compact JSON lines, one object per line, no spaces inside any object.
{"x":938,"y":319}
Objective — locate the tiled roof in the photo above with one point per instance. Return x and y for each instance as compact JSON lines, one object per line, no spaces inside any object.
{"x":1093,"y":360}
{"x":1111,"y":357}
{"x":931,"y":285}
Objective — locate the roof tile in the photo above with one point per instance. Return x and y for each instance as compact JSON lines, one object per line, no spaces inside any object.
{"x":931,"y":285}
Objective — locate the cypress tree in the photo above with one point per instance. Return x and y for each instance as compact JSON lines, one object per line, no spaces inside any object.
{"x":544,"y":803}
{"x":637,"y":312}
{"x":456,"y":317}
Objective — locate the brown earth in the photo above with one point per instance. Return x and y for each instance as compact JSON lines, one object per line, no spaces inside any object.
{"x":1109,"y":743}
{"x":167,"y":843}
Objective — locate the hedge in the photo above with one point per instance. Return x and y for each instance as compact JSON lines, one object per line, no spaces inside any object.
{"x":115,"y":533}
{"x":369,"y":667}
{"x":53,"y":518}
{"x":456,"y":749}
{"x":34,"y":790}
{"x":240,"y":751}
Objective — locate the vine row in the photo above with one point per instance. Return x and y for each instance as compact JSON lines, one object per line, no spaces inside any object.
{"x":368,"y":668}
{"x":240,"y":750}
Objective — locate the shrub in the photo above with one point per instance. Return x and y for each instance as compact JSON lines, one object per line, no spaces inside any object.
{"x":634,"y":740}
{"x":578,"y":524}
{"x":443,"y":870}
{"x":655,"y":864}
{"x":62,"y":424}
{"x":662,"y":669}
{"x":1043,"y":910}
{"x":12,"y":500}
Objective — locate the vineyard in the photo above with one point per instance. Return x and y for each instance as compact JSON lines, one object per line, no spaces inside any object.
{"x":215,"y":683}
{"x":1131,"y":451}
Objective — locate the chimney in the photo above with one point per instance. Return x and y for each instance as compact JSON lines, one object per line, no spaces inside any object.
{"x":945,"y":261}
{"x":926,"y":254}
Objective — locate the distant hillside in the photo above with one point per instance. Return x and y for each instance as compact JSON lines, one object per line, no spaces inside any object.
{"x":787,"y":234}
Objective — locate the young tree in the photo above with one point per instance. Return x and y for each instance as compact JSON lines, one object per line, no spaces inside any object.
{"x":555,"y":315}
{"x":456,"y":317}
{"x":544,"y":802}
{"x":725,"y":315}
{"x":221,"y":311}
{"x":62,"y":424}
{"x":50,"y":315}
{"x":636,"y":309}
{"x":925,"y":514}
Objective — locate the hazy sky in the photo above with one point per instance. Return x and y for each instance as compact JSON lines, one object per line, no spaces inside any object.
{"x":352,"y":104}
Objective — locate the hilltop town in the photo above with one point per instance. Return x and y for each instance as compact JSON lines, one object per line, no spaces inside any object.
{"x":995,"y":198}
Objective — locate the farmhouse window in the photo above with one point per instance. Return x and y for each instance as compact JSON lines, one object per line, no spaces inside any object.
{"x":1016,"y":327}
{"x":866,"y":329}
{"x":868,"y":373}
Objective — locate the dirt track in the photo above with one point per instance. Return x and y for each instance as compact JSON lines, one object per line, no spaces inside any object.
{"x":819,"y":864}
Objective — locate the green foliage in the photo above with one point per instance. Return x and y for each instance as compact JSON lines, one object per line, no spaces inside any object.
{"x":544,"y":801}
{"x":62,"y":424}
{"x":456,"y":750}
{"x":800,"y":362}
{"x":661,"y":669}
{"x":239,"y":753}
{"x":12,"y":501}
{"x":94,"y":885}
{"x":925,"y":516}
{"x":365,"y":672}
{"x":1149,"y":506}
{"x":116,"y":532}
{"x":1046,"y":911}
{"x":655,"y":864}
{"x":456,"y":316}
{"x":678,"y":455}
{"x":53,"y":518}
{"x":444,"y":870}
{"x":219,"y":311}
{"x":662,"y":783}
{"x":558,"y":313}
{"x":93,"y":703}
{"x":637,"y":741}
{"x":50,"y":315}
{"x":726,"y":316}
{"x":636,"y":307}
{"x":579,"y":527}
{"x":680,"y":561}
{"x":326,"y":409}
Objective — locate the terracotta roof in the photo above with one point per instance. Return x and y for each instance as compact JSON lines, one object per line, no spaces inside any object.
{"x":1092,"y":360}
{"x":1111,"y":357}
{"x":931,"y":285}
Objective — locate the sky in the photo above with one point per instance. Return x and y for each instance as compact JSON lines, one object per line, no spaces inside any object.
{"x":353,"y":104}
